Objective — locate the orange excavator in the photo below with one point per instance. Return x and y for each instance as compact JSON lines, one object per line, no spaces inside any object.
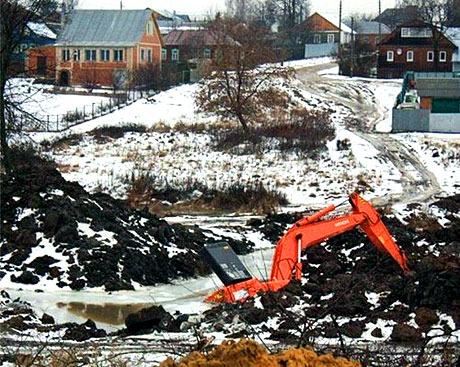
{"x":286,"y":264}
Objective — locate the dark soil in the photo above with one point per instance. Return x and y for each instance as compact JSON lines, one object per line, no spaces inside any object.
{"x":104,"y":242}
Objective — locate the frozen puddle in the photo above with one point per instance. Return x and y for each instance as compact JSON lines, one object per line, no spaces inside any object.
{"x":109,"y":309}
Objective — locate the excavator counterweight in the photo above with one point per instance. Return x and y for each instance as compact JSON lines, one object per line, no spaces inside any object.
{"x":286,"y":263}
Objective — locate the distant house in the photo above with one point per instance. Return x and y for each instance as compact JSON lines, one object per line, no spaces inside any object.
{"x":414,"y":46}
{"x":393,"y":17}
{"x":370,"y":32}
{"x":324,"y":35}
{"x":37,"y":35}
{"x":191,"y":50}
{"x":102,"y":47}
{"x":173,"y":21}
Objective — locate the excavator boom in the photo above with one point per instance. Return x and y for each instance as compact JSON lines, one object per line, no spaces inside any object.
{"x":306,"y":232}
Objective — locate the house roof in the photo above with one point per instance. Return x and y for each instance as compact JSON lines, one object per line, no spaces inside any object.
{"x":41,"y":30}
{"x":394,"y":38}
{"x":333,"y":20}
{"x":189,"y":37}
{"x":104,"y":28}
{"x":454,"y":34}
{"x":396,"y":16}
{"x":371,"y":27}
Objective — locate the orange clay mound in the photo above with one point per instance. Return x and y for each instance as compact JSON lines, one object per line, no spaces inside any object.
{"x":247,"y":353}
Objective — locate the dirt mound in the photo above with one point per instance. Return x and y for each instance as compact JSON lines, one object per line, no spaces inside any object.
{"x":248,"y":353}
{"x":54,"y":232}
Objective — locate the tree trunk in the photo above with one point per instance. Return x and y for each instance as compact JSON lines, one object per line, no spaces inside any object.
{"x":3,"y":140}
{"x":243,"y":122}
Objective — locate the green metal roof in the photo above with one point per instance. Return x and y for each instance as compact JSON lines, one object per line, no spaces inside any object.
{"x":104,"y":28}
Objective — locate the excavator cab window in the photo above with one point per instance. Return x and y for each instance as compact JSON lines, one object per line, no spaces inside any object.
{"x":225,"y":263}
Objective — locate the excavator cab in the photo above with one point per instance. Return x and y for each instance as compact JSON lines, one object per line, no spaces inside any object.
{"x":225,"y":263}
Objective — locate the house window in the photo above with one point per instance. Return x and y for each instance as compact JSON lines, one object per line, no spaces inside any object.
{"x":443,"y":56}
{"x":317,"y":38}
{"x":175,"y":54}
{"x":90,"y":55}
{"x":118,"y":55}
{"x":76,"y":54}
{"x":142,"y":54}
{"x":410,"y":56}
{"x":430,"y":56}
{"x":330,"y":38}
{"x":65,"y":54}
{"x":207,"y":53}
{"x":366,"y":40}
{"x":149,"y":29}
{"x":164,"y":54}
{"x":105,"y":55}
{"x":149,"y":55}
{"x":390,"y":56}
{"x":416,"y":32}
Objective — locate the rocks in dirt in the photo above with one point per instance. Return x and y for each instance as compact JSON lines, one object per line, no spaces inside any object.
{"x":425,"y":318}
{"x":47,"y":319}
{"x":404,"y":333}
{"x":151,"y":318}
{"x":113,"y":245}
{"x":26,"y":277}
{"x":82,"y":332}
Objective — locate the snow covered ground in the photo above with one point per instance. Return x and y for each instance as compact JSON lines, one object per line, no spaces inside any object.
{"x":178,"y":154}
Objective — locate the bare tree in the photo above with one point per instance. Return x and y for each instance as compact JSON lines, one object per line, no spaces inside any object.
{"x":14,"y":17}
{"x":237,"y":86}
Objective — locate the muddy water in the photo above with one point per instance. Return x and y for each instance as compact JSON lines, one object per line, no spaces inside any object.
{"x":109,"y":310}
{"x":107,"y":313}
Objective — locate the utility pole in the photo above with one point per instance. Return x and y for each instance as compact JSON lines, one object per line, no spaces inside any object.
{"x":121,"y":4}
{"x":340,"y":31}
{"x":352,"y":46}
{"x":380,"y":24}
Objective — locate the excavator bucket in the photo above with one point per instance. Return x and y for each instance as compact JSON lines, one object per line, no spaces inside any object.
{"x":377,"y":232}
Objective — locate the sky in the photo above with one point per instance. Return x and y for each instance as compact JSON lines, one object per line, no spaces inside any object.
{"x":206,"y":7}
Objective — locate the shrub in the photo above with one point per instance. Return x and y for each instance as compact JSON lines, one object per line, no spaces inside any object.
{"x":301,"y":129}
{"x":194,"y":196}
{"x":116,"y":132}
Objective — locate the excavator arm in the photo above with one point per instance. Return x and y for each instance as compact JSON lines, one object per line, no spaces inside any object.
{"x":309,"y":231}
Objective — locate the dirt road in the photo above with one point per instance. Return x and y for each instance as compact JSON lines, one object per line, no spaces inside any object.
{"x":419,"y":184}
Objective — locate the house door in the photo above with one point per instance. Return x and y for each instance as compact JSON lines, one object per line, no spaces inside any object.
{"x":64,"y":78}
{"x":41,"y":65}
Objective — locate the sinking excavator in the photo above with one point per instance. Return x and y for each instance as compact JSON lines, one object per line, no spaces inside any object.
{"x":286,"y":264}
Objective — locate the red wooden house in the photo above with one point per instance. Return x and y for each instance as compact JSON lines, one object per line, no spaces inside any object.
{"x":103,"y":47}
{"x":414,"y":46}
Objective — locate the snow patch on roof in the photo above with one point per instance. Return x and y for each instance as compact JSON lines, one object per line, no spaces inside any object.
{"x":41,"y":30}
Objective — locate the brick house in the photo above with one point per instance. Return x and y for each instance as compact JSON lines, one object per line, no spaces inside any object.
{"x":414,"y":46}
{"x":103,"y":47}
{"x":323,"y":35}
{"x":37,"y":36}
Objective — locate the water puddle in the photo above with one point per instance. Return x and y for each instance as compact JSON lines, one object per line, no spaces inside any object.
{"x":107,"y":313}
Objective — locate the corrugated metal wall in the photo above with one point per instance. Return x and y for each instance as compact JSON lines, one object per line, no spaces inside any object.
{"x":320,"y":49}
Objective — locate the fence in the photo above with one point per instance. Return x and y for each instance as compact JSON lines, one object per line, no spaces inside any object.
{"x":62,"y":122}
{"x":424,"y":121}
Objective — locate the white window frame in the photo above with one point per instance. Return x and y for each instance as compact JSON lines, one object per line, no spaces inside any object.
{"x":330,"y":38}
{"x":175,"y":54}
{"x":390,"y":56}
{"x":317,"y":38}
{"x":430,"y":56}
{"x":76,"y":54}
{"x":149,"y":28}
{"x":442,"y":56}
{"x":149,"y":55}
{"x":105,"y":55}
{"x":65,"y":54}
{"x":410,"y":56}
{"x":90,"y":55}
{"x":207,"y":53}
{"x":118,"y":55}
{"x":164,"y":54}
